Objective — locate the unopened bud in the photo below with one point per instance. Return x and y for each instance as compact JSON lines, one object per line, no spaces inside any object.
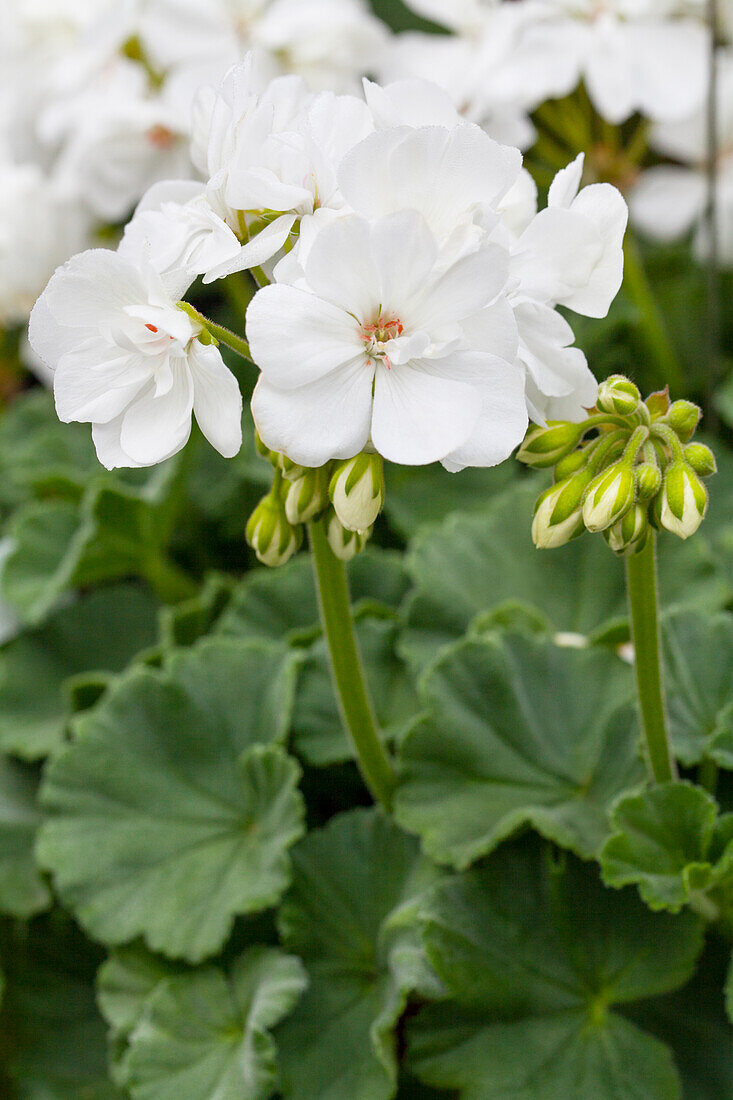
{"x":648,"y":480}
{"x":684,"y":500}
{"x":683,"y":417}
{"x":558,"y":516}
{"x":344,"y":543}
{"x":701,"y":458}
{"x":609,"y":497}
{"x":269,"y":533}
{"x":264,"y":450}
{"x":629,"y":534}
{"x":357,"y":490}
{"x":289,"y":469}
{"x":307,"y":495}
{"x":619,"y":395}
{"x":570,"y":464}
{"x":544,"y":447}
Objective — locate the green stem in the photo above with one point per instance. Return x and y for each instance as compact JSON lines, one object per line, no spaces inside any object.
{"x":223,"y":335}
{"x":641,"y":581}
{"x":351,"y":690}
{"x":707,"y":774}
{"x":652,"y":323}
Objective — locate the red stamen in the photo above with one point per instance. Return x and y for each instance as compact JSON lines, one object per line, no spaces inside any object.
{"x":152,"y":328}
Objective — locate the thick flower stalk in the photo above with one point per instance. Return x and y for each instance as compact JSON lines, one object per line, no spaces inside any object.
{"x":627,"y":471}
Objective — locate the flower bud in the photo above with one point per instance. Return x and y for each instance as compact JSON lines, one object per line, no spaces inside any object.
{"x":289,"y":469}
{"x":269,"y":533}
{"x":618,"y":395}
{"x":544,"y":447}
{"x":630,"y":533}
{"x":307,"y":495}
{"x":701,"y":458}
{"x":558,"y":516}
{"x":264,"y":450}
{"x":570,"y":464}
{"x":357,"y":490}
{"x":683,"y":417}
{"x":344,"y":543}
{"x":609,"y":497}
{"x":684,"y":500}
{"x":648,"y":480}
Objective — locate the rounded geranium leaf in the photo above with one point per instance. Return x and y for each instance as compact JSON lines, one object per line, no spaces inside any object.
{"x":662,"y":842}
{"x":536,"y":955}
{"x":518,"y":731}
{"x":207,"y":1033}
{"x":173,"y":810}
{"x":35,"y":666}
{"x":352,"y":916}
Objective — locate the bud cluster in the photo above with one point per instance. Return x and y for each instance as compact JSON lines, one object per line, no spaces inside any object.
{"x":628,"y":467}
{"x":346,"y":495}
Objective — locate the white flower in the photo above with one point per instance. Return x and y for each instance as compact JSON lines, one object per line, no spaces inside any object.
{"x":671,"y":199}
{"x":369,"y":347}
{"x":632,"y":55}
{"x":131,"y":363}
{"x":271,"y":156}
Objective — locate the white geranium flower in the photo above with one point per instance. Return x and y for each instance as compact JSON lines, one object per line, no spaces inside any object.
{"x":369,"y":349}
{"x":131,"y":363}
{"x":632,"y":55}
{"x":271,"y":156}
{"x":671,"y":199}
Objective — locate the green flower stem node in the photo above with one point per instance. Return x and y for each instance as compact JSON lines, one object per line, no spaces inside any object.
{"x":641,"y":578}
{"x":351,"y":690}
{"x":217,"y":333}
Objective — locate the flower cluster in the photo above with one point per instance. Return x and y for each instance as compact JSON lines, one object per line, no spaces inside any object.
{"x":95,"y":105}
{"x":628,"y":468}
{"x":414,"y":285}
{"x":505,"y":57}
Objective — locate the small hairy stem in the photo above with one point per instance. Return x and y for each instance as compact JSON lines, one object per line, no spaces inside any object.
{"x":652,"y":323}
{"x":641,"y":581}
{"x":223,"y":335}
{"x":348,"y":675}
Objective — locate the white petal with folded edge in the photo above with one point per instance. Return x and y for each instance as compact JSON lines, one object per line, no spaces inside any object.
{"x":328,"y":418}
{"x":604,"y":207}
{"x":503,"y":421}
{"x":88,"y":390}
{"x":419,"y":416}
{"x":296,"y":338}
{"x":153,"y":428}
{"x":92,"y":288}
{"x":217,"y":399}
{"x":340,"y":267}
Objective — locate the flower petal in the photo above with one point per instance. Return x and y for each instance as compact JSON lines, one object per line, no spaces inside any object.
{"x":340,"y":267}
{"x":296,"y":337}
{"x":420,"y":417}
{"x":153,"y":428}
{"x":503,"y":421}
{"x":328,"y":418}
{"x":217,"y":399}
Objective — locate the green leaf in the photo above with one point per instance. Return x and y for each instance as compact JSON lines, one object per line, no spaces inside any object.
{"x":208,"y":1034}
{"x":278,"y":603}
{"x":99,"y":633}
{"x":519,"y":732}
{"x":729,"y":992}
{"x":698,"y":660}
{"x":352,"y":916}
{"x":173,"y":811}
{"x":692,"y":1022}
{"x":318,"y":731}
{"x":662,"y":843}
{"x":115,"y":531}
{"x":23,"y":890}
{"x":535,"y":957}
{"x":125,"y":983}
{"x":469,"y":564}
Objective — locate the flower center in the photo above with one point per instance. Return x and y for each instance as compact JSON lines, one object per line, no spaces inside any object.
{"x":378,"y":334}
